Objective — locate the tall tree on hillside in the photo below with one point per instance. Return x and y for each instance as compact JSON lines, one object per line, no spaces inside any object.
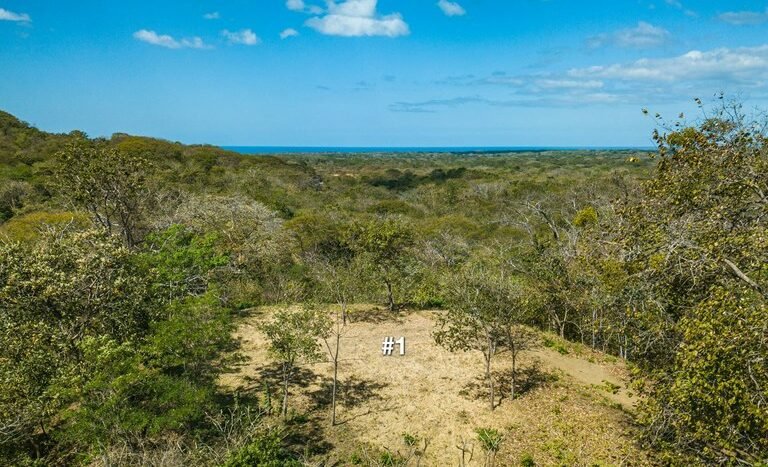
{"x":54,"y":294}
{"x":109,"y":184}
{"x":696,"y":243}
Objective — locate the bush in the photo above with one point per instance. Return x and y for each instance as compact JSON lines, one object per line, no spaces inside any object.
{"x":266,"y":451}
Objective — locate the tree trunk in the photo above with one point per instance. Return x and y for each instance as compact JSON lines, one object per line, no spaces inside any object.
{"x":335,"y":379}
{"x":514,"y":371}
{"x":285,"y":391}
{"x":488,"y":374}
{"x":390,"y":296}
{"x":490,"y":383}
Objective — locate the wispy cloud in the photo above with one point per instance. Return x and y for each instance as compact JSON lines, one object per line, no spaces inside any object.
{"x":679,"y":6}
{"x":747,"y":65}
{"x":744,"y":18}
{"x":243,"y":37}
{"x":295,"y":5}
{"x":6,"y":15}
{"x":300,"y":5}
{"x":569,"y":84}
{"x":355,"y":18}
{"x":531,"y":83}
{"x":212,"y":15}
{"x":640,"y":82}
{"x":644,"y":35}
{"x":167,"y":41}
{"x":451,"y":8}
{"x":290,"y":32}
{"x":544,"y":100}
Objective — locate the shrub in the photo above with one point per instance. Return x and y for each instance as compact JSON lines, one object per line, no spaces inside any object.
{"x":266,"y":451}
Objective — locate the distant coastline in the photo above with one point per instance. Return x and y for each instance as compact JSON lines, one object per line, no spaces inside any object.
{"x":405,"y":150}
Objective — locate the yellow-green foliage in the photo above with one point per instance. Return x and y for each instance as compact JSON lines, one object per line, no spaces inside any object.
{"x":28,"y":227}
{"x":585,"y":217}
{"x":696,"y":242}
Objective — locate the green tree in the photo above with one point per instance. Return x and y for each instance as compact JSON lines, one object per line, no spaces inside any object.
{"x":12,"y":197}
{"x":384,"y":244}
{"x":695,"y":244}
{"x":181,"y":262}
{"x":293,"y":337}
{"x":486,"y":312}
{"x":111,"y":185}
{"x":55,"y":293}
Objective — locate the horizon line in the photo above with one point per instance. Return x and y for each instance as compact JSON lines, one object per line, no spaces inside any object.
{"x":246,"y":149}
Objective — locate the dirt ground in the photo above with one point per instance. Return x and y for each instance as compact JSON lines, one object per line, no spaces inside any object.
{"x":566,"y":413}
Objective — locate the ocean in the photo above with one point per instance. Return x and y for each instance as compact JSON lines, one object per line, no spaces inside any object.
{"x":460,"y":150}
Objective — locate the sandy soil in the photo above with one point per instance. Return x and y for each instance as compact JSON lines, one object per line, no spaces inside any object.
{"x":564,"y":416}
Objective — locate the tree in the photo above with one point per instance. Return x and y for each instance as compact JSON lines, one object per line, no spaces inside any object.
{"x":12,"y":197}
{"x":332,"y":340}
{"x":550,"y":260}
{"x":111,"y":185}
{"x":490,"y":440}
{"x":253,"y":237}
{"x":55,"y":293}
{"x":180,"y":261}
{"x":694,"y":243}
{"x":384,"y":244}
{"x":338,"y":277}
{"x":89,"y":356}
{"x":518,"y":338}
{"x":293,"y":336}
{"x":485,"y":313}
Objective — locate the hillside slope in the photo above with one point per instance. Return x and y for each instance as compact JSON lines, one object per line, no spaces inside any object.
{"x":565,"y":415}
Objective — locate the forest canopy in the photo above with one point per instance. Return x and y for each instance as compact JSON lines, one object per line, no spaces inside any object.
{"x":127,"y":262}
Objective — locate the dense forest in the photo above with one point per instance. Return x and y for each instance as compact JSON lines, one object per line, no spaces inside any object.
{"x":127,"y":264}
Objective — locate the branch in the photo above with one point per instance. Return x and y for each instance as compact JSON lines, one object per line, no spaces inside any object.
{"x":735,"y":269}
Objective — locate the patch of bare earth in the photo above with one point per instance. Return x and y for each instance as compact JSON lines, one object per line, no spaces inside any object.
{"x":565,"y":413}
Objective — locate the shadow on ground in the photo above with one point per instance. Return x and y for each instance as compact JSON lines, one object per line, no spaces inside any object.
{"x":376,"y":316}
{"x":529,"y":378}
{"x":350,"y":392}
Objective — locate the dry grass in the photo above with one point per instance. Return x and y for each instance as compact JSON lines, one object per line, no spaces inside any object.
{"x":565,"y":416}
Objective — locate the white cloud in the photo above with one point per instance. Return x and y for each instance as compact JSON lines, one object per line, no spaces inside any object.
{"x":569,"y":84}
{"x":451,"y":8}
{"x":290,"y":32}
{"x":212,"y":15}
{"x":295,"y":5}
{"x":164,"y":40}
{"x":641,"y":82}
{"x":744,"y":18}
{"x":6,"y":15}
{"x":643,"y":36}
{"x":354,"y":18}
{"x":748,"y":65}
{"x":300,"y":5}
{"x":244,"y":37}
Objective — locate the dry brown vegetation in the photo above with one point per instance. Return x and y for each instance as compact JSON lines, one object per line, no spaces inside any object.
{"x":567,"y":413}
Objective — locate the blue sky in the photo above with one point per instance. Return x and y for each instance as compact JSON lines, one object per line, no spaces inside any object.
{"x":377,"y":73}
